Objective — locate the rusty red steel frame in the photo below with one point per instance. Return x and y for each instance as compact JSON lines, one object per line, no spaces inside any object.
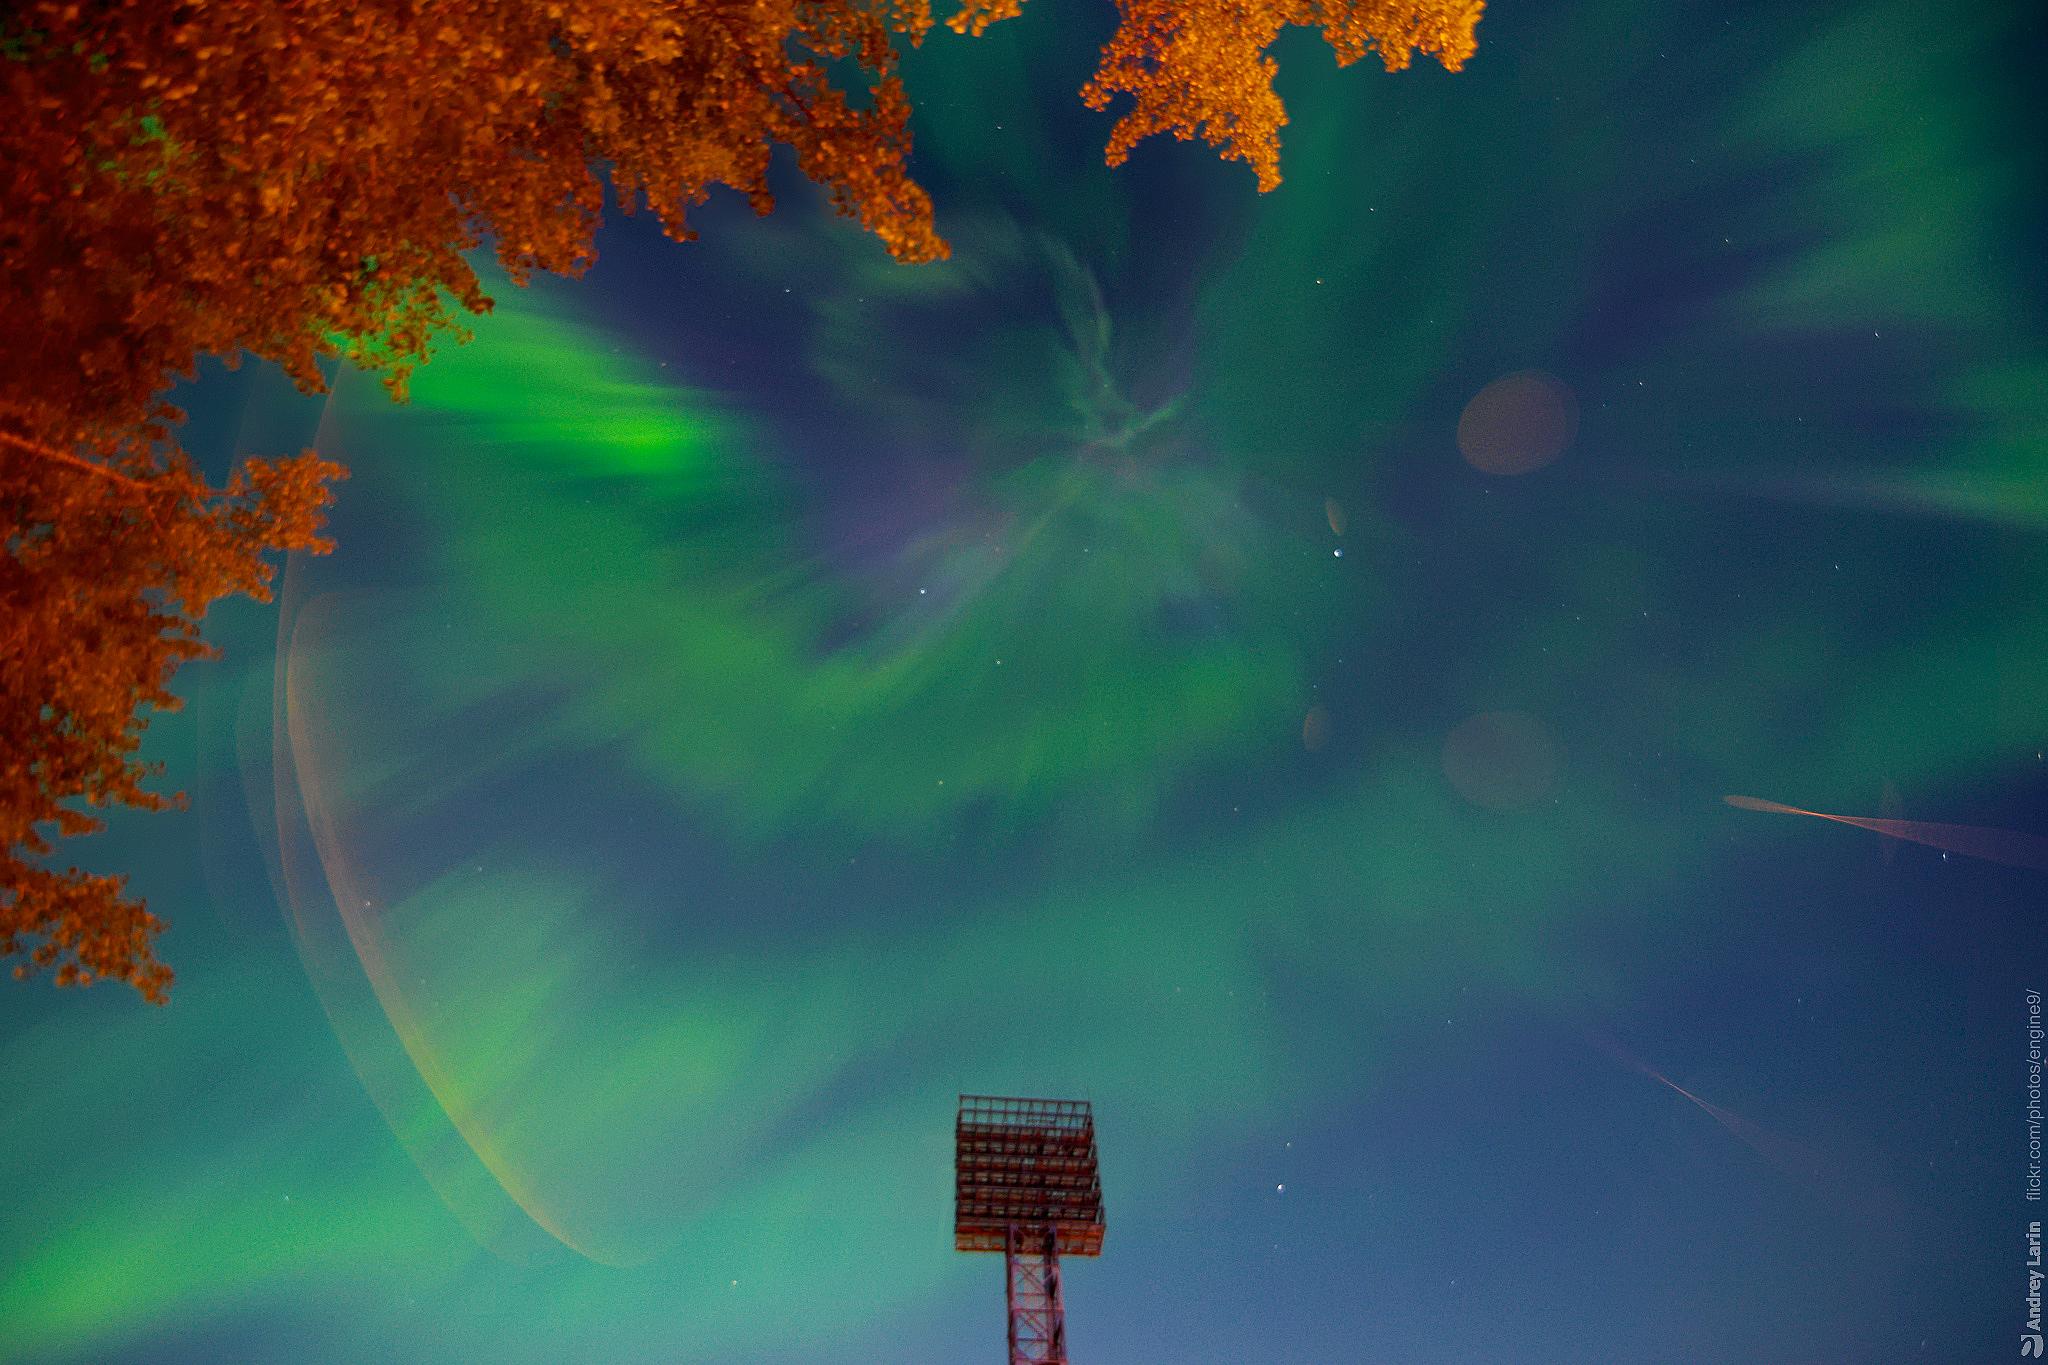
{"x":1026,"y":1183}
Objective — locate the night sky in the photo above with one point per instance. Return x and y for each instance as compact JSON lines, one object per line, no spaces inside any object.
{"x":1268,"y":665}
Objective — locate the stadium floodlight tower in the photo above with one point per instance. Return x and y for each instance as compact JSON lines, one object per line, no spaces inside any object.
{"x":1025,"y":1184}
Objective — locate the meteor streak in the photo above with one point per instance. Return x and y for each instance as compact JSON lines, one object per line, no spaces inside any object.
{"x":1787,"y":1155}
{"x":2011,"y":847}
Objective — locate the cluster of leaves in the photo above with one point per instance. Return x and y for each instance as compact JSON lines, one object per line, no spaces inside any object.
{"x":301,"y":180}
{"x":1198,"y":67}
{"x":105,"y":577}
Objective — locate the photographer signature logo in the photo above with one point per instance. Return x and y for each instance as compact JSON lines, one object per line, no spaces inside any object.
{"x":2030,"y":1344}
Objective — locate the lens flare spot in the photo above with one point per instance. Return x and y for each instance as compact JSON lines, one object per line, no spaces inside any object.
{"x":1502,"y":760}
{"x":1333,"y":512}
{"x":1315,"y":729}
{"x":1518,"y":423}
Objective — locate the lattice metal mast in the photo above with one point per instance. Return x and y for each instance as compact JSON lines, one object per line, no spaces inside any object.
{"x":1025,"y":1183}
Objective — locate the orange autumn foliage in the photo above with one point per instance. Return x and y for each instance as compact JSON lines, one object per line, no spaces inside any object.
{"x":301,"y":179}
{"x":108,"y":570}
{"x":1198,"y":67}
{"x":298,"y":180}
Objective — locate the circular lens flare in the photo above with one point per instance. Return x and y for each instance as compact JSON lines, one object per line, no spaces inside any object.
{"x":1502,"y":760}
{"x":1518,"y":423}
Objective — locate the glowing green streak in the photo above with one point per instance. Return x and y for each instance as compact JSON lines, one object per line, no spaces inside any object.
{"x":533,"y":378}
{"x":1024,"y":658}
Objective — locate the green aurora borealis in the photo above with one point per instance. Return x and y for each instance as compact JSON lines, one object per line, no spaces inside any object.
{"x":764,"y":690}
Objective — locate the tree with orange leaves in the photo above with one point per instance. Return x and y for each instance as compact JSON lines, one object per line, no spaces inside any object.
{"x":301,"y":180}
{"x":105,"y":579}
{"x":1198,"y":67}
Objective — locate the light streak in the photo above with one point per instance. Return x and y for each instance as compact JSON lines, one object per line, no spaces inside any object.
{"x":1783,"y":1153}
{"x":2010,"y":847}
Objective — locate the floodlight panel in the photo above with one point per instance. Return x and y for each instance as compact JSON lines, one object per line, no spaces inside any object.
{"x":1027,"y":1163}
